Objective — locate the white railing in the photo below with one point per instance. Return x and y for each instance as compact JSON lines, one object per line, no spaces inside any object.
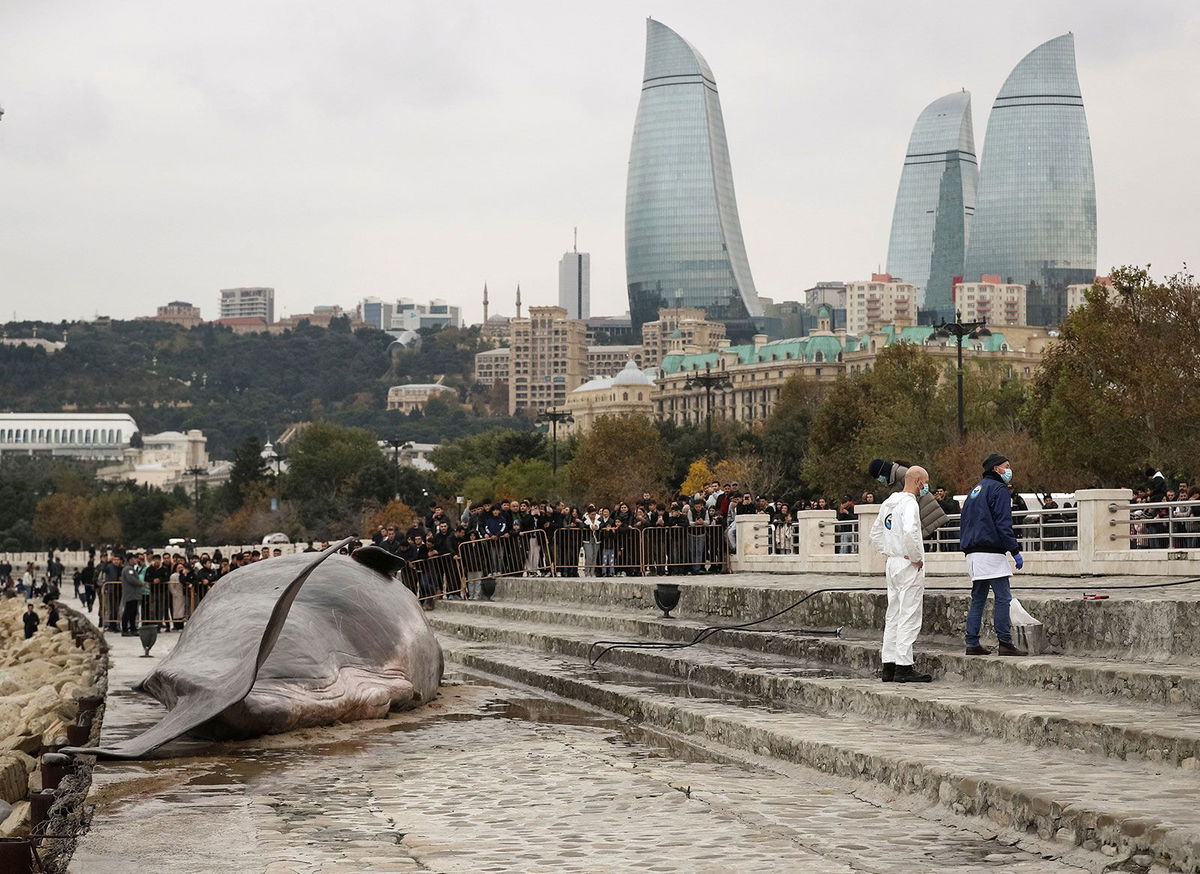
{"x":1045,"y":530}
{"x":1158,"y":525}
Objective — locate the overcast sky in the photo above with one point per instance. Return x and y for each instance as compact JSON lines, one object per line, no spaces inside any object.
{"x":155,"y":151}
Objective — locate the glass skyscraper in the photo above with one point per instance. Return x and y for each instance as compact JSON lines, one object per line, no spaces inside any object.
{"x":1035,"y":220}
{"x":932,"y":220}
{"x":683,"y":240}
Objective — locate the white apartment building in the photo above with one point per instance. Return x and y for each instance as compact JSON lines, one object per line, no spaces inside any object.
{"x":991,"y":301}
{"x":881,"y":300}
{"x":248,"y":303}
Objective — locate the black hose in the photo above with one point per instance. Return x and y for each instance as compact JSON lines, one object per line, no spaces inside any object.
{"x":705,"y":633}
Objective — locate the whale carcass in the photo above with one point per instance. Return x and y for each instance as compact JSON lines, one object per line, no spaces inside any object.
{"x":290,"y":642}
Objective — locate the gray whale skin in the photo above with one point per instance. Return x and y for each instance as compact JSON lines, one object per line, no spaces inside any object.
{"x":290,"y":642}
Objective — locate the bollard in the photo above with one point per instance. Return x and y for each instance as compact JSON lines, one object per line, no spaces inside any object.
{"x":55,"y":766}
{"x":16,"y":855}
{"x":78,"y":735}
{"x":39,"y":808}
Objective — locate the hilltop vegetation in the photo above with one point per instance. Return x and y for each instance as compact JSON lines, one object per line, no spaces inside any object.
{"x":235,"y":386}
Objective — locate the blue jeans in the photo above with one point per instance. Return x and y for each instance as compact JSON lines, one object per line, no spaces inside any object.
{"x":1003,"y":596}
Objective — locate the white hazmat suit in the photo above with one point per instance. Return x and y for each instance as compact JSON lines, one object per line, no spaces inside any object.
{"x":897,"y":534}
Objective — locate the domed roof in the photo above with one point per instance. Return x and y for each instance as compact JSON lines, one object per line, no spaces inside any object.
{"x":632,"y":375}
{"x":593,"y":384}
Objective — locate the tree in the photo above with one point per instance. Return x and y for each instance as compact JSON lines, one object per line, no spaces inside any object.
{"x":698,"y":476}
{"x":248,"y":469}
{"x":785,"y":435}
{"x":1120,"y":389}
{"x":617,"y":457}
{"x":58,"y":519}
{"x":333,"y":472}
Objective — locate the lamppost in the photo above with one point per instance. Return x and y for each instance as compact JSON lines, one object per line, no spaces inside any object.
{"x":960,"y":329}
{"x":554,"y":416}
{"x":397,"y":444}
{"x":195,"y":473}
{"x":708,"y":381}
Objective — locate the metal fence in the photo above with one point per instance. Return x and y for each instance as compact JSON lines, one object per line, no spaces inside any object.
{"x":1159,"y":525}
{"x":509,"y":555}
{"x":435,"y":577}
{"x":692,"y":549}
{"x":1043,"y":530}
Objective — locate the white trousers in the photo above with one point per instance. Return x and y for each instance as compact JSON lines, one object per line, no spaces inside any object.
{"x":906,"y":591}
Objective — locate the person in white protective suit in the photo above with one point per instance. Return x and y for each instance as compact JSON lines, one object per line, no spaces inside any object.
{"x":897,"y":534}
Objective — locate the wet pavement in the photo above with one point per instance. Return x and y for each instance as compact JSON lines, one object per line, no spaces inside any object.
{"x":488,"y":779}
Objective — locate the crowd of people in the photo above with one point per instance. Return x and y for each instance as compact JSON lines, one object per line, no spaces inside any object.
{"x":1172,"y":521}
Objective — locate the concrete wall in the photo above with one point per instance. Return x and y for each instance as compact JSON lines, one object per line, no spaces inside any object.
{"x":1103,"y":547}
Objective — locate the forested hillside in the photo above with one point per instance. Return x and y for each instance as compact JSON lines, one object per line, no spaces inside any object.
{"x":233,"y":386}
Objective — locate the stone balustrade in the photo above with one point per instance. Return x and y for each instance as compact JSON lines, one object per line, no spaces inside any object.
{"x":1102,"y":546}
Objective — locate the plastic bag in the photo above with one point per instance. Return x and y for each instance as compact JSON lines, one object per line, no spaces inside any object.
{"x":1019,"y":616}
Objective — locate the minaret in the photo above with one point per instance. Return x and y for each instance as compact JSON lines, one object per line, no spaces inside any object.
{"x":518,"y":300}
{"x":485,"y":304}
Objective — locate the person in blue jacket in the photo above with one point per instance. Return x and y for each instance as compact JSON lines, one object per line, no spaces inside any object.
{"x":987,"y":537}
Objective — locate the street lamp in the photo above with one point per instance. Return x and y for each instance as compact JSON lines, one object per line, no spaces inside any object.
{"x":554,"y":416}
{"x":960,"y":329}
{"x":195,"y":473}
{"x":397,"y":444}
{"x":708,"y":381}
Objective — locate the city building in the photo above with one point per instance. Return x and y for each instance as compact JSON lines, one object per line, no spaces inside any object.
{"x":492,"y":366}
{"x":630,"y":392}
{"x":1035,"y":217}
{"x":791,"y":317}
{"x":238,"y":303}
{"x":575,"y":284}
{"x":412,"y":316}
{"x":758,"y":370}
{"x":414,"y":455}
{"x":179,"y":312}
{"x":35,"y":342}
{"x":606,"y":360}
{"x":376,"y":312}
{"x":244,"y":324}
{"x":320,"y":317}
{"x":830,"y":294}
{"x":414,"y":396}
{"x":549,"y":358}
{"x":162,"y":461}
{"x":990,"y":301}
{"x":87,"y":436}
{"x":931,"y":222}
{"x":683,"y":238}
{"x":686,"y":326}
{"x":616,"y":330}
{"x":882,"y":300}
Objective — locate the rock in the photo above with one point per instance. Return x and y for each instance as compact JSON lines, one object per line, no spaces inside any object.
{"x":15,"y":819}
{"x":1108,"y":850}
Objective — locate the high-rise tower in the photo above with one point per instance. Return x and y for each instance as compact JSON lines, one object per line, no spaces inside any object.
{"x":683,"y":240}
{"x":932,"y":219}
{"x":575,"y":283}
{"x":1035,"y":219}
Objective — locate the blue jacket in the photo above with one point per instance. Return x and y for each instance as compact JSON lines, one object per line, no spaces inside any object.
{"x":987,"y":518}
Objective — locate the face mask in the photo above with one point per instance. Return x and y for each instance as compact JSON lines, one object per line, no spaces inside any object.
{"x":882,"y":479}
{"x":1006,"y":476}
{"x":924,"y":490}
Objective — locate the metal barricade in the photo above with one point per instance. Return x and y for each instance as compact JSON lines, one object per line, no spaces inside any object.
{"x":156,"y":606}
{"x":109,"y":614}
{"x":509,"y":555}
{"x":687,"y":549}
{"x":435,"y":577}
{"x":576,"y":552}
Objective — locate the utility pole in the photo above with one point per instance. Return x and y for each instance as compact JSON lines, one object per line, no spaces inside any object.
{"x":396,"y":445}
{"x":960,"y":329}
{"x":195,"y":473}
{"x":708,"y":381}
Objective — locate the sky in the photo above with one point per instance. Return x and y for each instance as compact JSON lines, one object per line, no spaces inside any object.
{"x":155,"y":151}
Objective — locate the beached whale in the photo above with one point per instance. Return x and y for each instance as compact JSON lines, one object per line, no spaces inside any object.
{"x":290,"y":642}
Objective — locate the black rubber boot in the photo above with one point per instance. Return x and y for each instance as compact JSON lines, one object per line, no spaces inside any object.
{"x":906,"y":674}
{"x":889,"y":672}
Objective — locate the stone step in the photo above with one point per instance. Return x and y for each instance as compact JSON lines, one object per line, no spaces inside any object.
{"x":1041,"y":719}
{"x":1166,"y":686}
{"x":1162,"y":624}
{"x":1120,"y":809}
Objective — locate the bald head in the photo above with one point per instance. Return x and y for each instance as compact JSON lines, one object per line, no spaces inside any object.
{"x":915,"y":479}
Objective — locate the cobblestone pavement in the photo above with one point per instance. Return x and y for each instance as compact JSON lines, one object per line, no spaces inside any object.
{"x":492,"y":779}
